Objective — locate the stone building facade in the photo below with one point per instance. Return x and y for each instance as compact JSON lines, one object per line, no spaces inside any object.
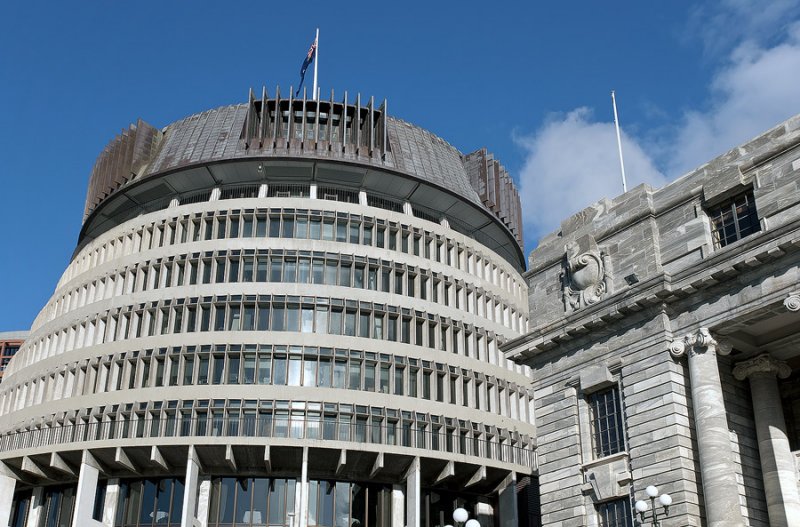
{"x":285,"y":312}
{"x":665,"y":347}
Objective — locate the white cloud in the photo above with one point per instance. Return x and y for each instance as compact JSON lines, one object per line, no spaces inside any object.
{"x":757,"y":89}
{"x":724,"y":24}
{"x":572,"y":162}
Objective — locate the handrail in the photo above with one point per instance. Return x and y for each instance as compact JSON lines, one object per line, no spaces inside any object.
{"x":288,"y":427}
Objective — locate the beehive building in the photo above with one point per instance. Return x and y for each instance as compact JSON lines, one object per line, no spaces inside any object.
{"x":285,"y":312}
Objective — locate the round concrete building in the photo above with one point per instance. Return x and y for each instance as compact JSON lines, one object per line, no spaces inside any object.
{"x":281,"y":313}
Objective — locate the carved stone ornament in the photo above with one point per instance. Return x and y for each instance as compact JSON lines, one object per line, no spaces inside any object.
{"x":792,"y":302}
{"x":586,"y":276}
{"x":699,"y":342}
{"x":762,"y":364}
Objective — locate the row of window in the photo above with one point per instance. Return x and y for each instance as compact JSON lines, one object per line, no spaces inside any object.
{"x":303,"y":267}
{"x":281,"y":419}
{"x":281,"y":365}
{"x":242,"y":502}
{"x":321,"y":315}
{"x":303,"y":224}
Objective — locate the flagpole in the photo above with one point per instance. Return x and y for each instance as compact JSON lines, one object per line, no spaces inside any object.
{"x":619,"y":141}
{"x":316,"y":63}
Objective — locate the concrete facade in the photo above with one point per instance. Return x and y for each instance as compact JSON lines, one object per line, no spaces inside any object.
{"x":700,"y":339}
{"x":274,"y":320}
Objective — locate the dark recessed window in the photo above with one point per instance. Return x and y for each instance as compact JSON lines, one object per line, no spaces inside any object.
{"x":607,"y":422}
{"x":615,"y":513}
{"x":734,"y":219}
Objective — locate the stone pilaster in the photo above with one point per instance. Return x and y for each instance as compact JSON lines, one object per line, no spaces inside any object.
{"x":777,"y":461}
{"x":717,"y":469}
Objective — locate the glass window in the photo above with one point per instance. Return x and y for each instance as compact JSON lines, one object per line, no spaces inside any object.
{"x":304,"y":270}
{"x":734,"y":219}
{"x":219,"y":366}
{"x":321,"y":319}
{"x":249,"y":368}
{"x":607,"y":425}
{"x":310,"y":371}
{"x":188,"y":370}
{"x":278,"y":317}
{"x":616,"y":513}
{"x":354,"y":382}
{"x":324,"y":372}
{"x":302,"y":227}
{"x":294,"y":371}
{"x":263,"y":317}
{"x":261,"y":269}
{"x":307,"y":319}
{"x":234,"y":318}
{"x":279,"y":366}
{"x":264,"y":368}
{"x":339,"y":373}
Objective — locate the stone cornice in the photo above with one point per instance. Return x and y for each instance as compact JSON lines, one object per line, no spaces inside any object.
{"x":699,"y":341}
{"x":763,"y":364}
{"x":663,"y":289}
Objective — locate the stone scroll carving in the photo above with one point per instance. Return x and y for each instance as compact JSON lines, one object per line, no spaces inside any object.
{"x":586,"y":275}
{"x":699,"y":342}
{"x":792,"y":302}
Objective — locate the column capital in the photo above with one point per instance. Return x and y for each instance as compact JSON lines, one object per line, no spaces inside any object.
{"x":764,"y":363}
{"x":792,"y":302}
{"x":699,"y":341}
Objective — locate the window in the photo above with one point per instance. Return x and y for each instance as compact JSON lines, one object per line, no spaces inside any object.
{"x":616,"y":513}
{"x":734,"y":219}
{"x":607,"y":428}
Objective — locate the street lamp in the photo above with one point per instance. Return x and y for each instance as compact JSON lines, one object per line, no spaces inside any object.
{"x":461,"y":518}
{"x":641,"y":506}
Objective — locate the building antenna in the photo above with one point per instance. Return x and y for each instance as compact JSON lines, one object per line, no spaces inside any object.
{"x":316,"y":63}
{"x":616,"y":124}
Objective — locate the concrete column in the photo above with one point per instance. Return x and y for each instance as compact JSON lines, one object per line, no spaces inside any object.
{"x":87,"y":489}
{"x":777,"y":462}
{"x":36,"y":507}
{"x":312,"y":191}
{"x":190,"y":489}
{"x":413,"y":494}
{"x":717,"y":469}
{"x":484,"y":513}
{"x":203,"y":500}
{"x":111,"y":502}
{"x":507,"y":502}
{"x":7,"y":485}
{"x":398,"y":506}
{"x":301,"y":494}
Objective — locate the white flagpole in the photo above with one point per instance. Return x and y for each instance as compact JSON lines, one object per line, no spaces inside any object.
{"x":316,"y":63}
{"x":619,"y":141}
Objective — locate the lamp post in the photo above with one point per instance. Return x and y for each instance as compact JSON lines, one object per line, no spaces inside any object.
{"x":461,"y":518}
{"x":641,"y":506}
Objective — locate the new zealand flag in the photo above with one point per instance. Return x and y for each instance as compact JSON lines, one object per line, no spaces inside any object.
{"x":312,"y":51}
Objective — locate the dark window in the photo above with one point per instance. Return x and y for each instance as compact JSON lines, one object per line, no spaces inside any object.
{"x":734,"y":219}
{"x":615,"y":513}
{"x":607,"y":422}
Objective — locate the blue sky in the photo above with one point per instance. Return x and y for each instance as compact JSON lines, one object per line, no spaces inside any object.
{"x":528,"y":80}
